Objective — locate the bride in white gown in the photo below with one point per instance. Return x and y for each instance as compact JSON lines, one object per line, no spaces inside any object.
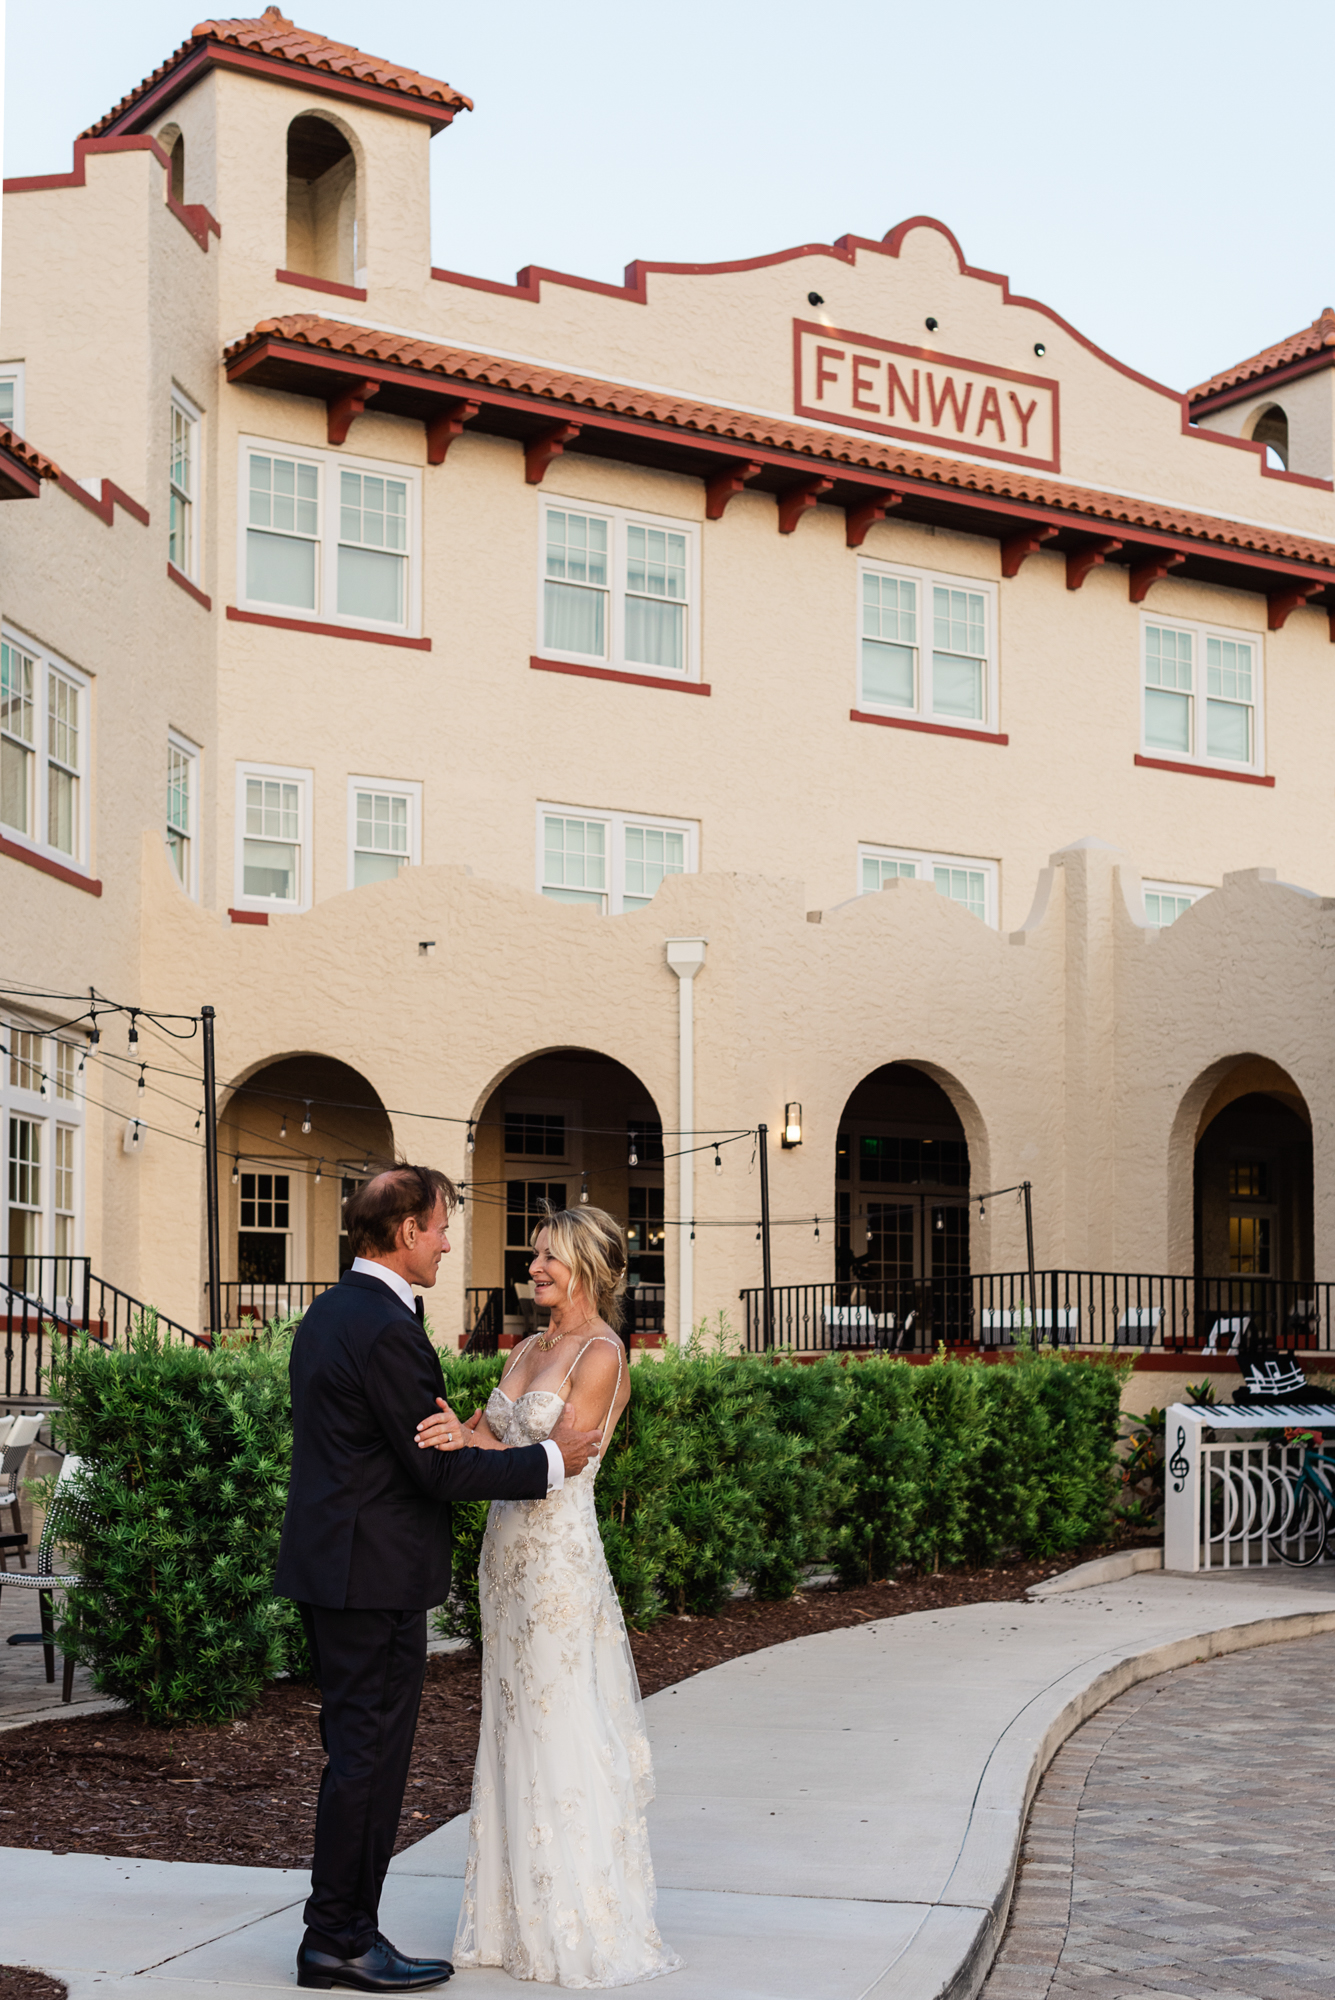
{"x":559,"y":1885}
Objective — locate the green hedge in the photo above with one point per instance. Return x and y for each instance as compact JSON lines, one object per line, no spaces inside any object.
{"x":725,"y":1467}
{"x":186,"y":1456}
{"x":735,"y":1467}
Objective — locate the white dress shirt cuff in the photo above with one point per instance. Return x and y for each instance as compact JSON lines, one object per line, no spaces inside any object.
{"x":556,"y":1471}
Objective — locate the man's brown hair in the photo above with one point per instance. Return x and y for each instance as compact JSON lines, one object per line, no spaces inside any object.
{"x":373,"y":1215}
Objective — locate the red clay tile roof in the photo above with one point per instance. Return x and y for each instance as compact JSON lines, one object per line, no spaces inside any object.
{"x":272,"y":34}
{"x":27,"y":455}
{"x":1298,"y":346}
{"x":806,"y":441}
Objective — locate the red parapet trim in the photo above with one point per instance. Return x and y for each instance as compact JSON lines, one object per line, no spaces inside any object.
{"x":113,"y":496}
{"x":193,"y":216}
{"x":927,"y":728}
{"x":249,"y":916}
{"x":88,"y":883}
{"x":183,"y":582}
{"x":320,"y":285}
{"x":326,"y":631}
{"x":1202,"y":771}
{"x":615,"y":674}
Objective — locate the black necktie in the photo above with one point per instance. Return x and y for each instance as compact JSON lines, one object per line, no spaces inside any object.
{"x":419,"y":1308}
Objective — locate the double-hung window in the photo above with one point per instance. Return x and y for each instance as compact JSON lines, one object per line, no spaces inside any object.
{"x":619,"y":589}
{"x":384,"y":829}
{"x":1165,"y":902}
{"x":926,"y":646}
{"x":1202,"y":694}
{"x":610,"y":862}
{"x":273,"y":838}
{"x":330,"y":537}
{"x":973,"y":884}
{"x":41,"y":1121}
{"x":183,"y":482}
{"x":183,"y":809}
{"x":11,"y":396}
{"x":43,"y":750}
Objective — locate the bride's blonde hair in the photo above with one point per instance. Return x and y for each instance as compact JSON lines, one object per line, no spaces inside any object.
{"x":591,"y":1243}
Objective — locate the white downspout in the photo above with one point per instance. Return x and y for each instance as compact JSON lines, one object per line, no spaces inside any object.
{"x":686,"y":956}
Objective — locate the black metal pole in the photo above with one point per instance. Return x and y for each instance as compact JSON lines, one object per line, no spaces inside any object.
{"x":211,"y":1175}
{"x":766,"y":1269}
{"x":1033,"y":1282}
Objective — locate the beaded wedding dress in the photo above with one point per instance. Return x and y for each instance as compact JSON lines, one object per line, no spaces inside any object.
{"x":559,"y":1885}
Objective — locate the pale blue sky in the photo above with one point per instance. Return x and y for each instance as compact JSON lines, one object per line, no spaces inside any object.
{"x":1158,"y":172}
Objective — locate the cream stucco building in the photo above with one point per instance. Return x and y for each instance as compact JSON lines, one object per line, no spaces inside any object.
{"x":560,"y":726}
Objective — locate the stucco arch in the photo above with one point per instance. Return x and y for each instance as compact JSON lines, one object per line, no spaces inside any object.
{"x":1218,"y":1085}
{"x":326,"y":196}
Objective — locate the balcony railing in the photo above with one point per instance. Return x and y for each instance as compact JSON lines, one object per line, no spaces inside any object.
{"x":47,"y":1300}
{"x":246,"y":1302}
{"x":997,"y":1309}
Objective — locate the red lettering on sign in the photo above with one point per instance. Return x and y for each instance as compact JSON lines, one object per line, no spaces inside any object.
{"x":824,"y":374}
{"x":895,"y":381}
{"x":948,"y":395}
{"x":1024,"y":416}
{"x":861,"y":361}
{"x":991,"y":414}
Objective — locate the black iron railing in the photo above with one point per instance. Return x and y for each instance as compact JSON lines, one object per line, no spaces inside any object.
{"x":49,"y":1300}
{"x":246,"y":1302}
{"x":994,"y":1309}
{"x":484,"y":1319}
{"x":642,"y":1310}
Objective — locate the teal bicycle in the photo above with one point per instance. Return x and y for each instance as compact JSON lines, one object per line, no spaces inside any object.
{"x":1301,"y":1507}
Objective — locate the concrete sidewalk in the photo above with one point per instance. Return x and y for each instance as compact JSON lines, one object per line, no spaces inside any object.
{"x":792,"y":1865}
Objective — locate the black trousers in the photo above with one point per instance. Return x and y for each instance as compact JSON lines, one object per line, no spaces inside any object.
{"x":369,"y":1666}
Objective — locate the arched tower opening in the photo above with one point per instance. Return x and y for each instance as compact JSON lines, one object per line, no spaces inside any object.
{"x":322,"y":228}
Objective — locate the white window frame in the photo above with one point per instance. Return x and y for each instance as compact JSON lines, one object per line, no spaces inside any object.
{"x":1191,"y":890}
{"x":328,"y":465}
{"x":925,"y":864}
{"x":922,"y":709}
{"x":305,"y":779}
{"x":45,"y":665}
{"x":13,"y":371}
{"x":620,"y":520}
{"x":255,"y":1163}
{"x":192,"y":415}
{"x":1202,"y":631}
{"x":190,"y":751}
{"x":614,"y":893}
{"x":409,"y":789}
{"x":43,"y":1106}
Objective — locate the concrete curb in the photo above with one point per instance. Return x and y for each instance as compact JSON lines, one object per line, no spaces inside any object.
{"x":1105,"y":1569}
{"x":983,"y":1878}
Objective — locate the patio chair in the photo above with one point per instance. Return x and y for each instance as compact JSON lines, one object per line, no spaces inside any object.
{"x":21,"y":1431}
{"x":1228,"y":1326}
{"x":65,"y":1511}
{"x":1136,"y":1327}
{"x":853,"y":1326}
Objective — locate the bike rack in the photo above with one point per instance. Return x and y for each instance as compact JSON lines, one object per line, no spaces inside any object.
{"x":1220,"y":1498}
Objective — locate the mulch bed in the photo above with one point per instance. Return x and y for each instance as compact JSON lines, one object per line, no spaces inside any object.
{"x":244,"y":1792}
{"x":21,"y":1982}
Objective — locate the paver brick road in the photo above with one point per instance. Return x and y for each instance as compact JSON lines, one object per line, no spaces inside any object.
{"x":1182,"y":1843}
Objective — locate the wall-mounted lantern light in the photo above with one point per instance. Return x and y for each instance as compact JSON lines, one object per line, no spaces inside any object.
{"x":792,"y":1125}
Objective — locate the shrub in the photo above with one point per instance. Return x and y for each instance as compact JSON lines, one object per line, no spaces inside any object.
{"x":186,"y":1456}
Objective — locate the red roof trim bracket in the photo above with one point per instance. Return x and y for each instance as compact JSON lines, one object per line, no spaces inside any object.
{"x":857,"y":520}
{"x":342,"y":409}
{"x":442,"y":431}
{"x":726,"y":485}
{"x":546,"y":446}
{"x":793,"y":504}
{"x":928,"y":728}
{"x":1201,"y":771}
{"x":541,"y":666}
{"x":1144,"y":575}
{"x":1280,"y":603}
{"x":1081,"y":561}
{"x":1020,"y":547}
{"x":113,"y":496}
{"x":326,"y":631}
{"x":88,"y":883}
{"x":193,"y":216}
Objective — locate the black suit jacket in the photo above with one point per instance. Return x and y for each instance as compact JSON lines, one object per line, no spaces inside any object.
{"x":367,"y":1525}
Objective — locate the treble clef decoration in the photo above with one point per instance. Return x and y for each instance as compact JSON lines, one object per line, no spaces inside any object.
{"x":1179,"y":1465}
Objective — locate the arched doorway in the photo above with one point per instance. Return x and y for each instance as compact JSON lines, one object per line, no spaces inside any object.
{"x":564,"y":1127}
{"x":1253,"y":1177}
{"x":901,"y":1206}
{"x":294,"y":1140}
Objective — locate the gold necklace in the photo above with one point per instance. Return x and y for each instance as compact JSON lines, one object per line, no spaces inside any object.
{"x":546,"y":1345}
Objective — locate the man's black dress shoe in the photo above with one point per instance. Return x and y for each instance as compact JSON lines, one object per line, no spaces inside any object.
{"x":379,"y":1969}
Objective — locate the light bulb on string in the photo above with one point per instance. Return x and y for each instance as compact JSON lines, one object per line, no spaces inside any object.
{"x":198,"y":1115}
{"x":41,"y":1088}
{"x":634,"y":1159}
{"x":134,"y":1030}
{"x":306,"y":1120}
{"x":982,"y":1212}
{"x":282,"y":1130}
{"x":940,"y":1219}
{"x":816,"y":1220}
{"x":142,"y":1068}
{"x":236,"y":1164}
{"x":692,"y":1229}
{"x":319,"y":1170}
{"x":470,"y":1142}
{"x":583,"y":1187}
{"x":757,"y":1232}
{"x":718,"y":1160}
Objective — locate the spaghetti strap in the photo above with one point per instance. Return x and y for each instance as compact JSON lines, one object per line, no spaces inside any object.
{"x":615,"y":1393}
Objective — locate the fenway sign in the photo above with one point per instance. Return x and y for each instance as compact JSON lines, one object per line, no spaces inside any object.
{"x":925,"y":397}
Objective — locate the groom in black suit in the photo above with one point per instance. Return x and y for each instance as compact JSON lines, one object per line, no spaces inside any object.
{"x":366,"y":1553}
